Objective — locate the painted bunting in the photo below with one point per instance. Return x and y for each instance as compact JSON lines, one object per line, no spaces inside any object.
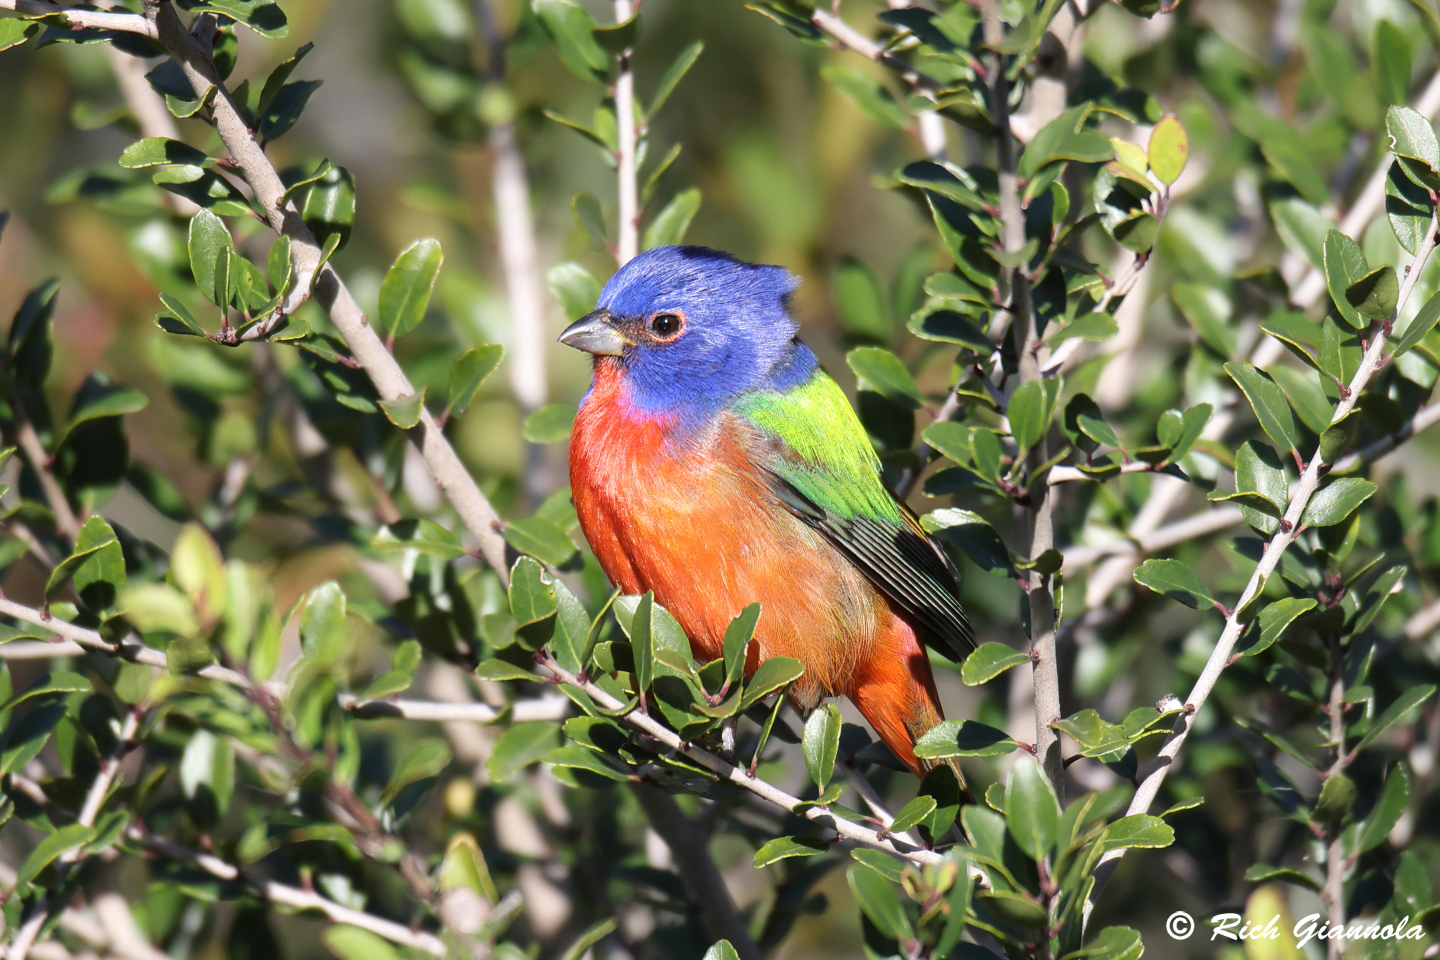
{"x":714,"y":462}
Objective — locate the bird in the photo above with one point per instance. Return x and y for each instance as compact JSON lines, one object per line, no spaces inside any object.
{"x":714,"y":462}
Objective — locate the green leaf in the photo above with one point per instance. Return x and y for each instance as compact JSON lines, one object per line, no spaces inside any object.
{"x":575,"y":287}
{"x":1113,"y":943}
{"x":14,"y":32}
{"x":100,"y":578}
{"x":579,"y":758}
{"x":1092,"y":327}
{"x":882,"y":863}
{"x":1394,"y":799}
{"x":672,"y":77}
{"x":1275,"y":619}
{"x":470,"y":371}
{"x":1264,"y":873}
{"x":58,"y":681}
{"x":24,"y":739}
{"x":970,"y":532}
{"x":770,"y":676}
{"x":1031,"y":810}
{"x":1336,"y":798}
{"x":94,"y":537}
{"x":1407,"y":701}
{"x":355,"y":943}
{"x":263,"y":16}
{"x":867,"y":93}
{"x":540,"y":539}
{"x":1335,"y":501}
{"x":948,"y":326}
{"x":1066,"y":138}
{"x":523,"y":744}
{"x":1208,"y":310}
{"x":590,"y":218}
{"x":619,"y":37}
{"x":876,"y":896}
{"x":405,"y":292}
{"x":642,"y":641}
{"x":404,"y":412}
{"x":1175,"y":580}
{"x":572,"y":30}
{"x":1375,"y":294}
{"x":671,"y":223}
{"x":1411,"y":135}
{"x":1423,"y":323}
{"x":882,"y":371}
{"x":1137,"y":830}
{"x":988,"y":661}
{"x":531,"y":598}
{"x":550,"y":424}
{"x":328,"y":209}
{"x":1029,"y":416}
{"x":154,"y":151}
{"x":737,"y":641}
{"x":963,"y":738}
{"x":207,"y":776}
{"x":860,"y":301}
{"x":1086,"y":425}
{"x":912,"y":813}
{"x":284,"y":110}
{"x":1407,"y":207}
{"x":210,"y":251}
{"x":423,"y":535}
{"x":820,"y":742}
{"x":721,"y":950}
{"x":1344,"y":264}
{"x":56,"y":845}
{"x":1169,"y":149}
{"x":1268,"y":401}
{"x":1294,"y":161}
{"x":782,"y":848}
{"x":278,"y":76}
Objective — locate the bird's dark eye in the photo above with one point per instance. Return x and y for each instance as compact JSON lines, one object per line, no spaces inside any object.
{"x":666,"y":325}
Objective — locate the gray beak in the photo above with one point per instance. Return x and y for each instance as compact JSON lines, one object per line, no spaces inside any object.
{"x":594,"y":333}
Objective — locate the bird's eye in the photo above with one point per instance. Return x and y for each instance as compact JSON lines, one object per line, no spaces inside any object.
{"x":666,"y":325}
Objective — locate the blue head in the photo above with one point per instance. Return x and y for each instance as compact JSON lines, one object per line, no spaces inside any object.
{"x":694,"y":327}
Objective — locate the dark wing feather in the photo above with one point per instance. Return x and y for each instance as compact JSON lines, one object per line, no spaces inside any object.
{"x":901,"y":560}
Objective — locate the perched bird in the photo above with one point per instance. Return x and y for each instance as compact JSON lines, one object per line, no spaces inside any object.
{"x":714,"y":462}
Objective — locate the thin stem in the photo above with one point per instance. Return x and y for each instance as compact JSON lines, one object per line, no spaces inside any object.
{"x":703,"y":882}
{"x":66,"y":523}
{"x":625,"y":156}
{"x":736,"y":776}
{"x":1300,"y":496}
{"x":365,"y":346}
{"x":122,"y":22}
{"x":292,"y":897}
{"x":542,"y":708}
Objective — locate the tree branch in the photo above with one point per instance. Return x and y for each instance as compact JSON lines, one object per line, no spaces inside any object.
{"x":731,"y":774}
{"x":292,"y":897}
{"x":625,"y":156}
{"x":365,"y":346}
{"x":702,"y":880}
{"x":542,"y":708}
{"x":66,"y":523}
{"x":1300,"y":496}
{"x":122,"y":22}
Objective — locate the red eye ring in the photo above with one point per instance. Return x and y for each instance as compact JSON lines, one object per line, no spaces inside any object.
{"x":666,"y":325}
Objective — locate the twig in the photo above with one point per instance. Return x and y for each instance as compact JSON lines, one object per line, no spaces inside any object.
{"x":365,"y":346}
{"x":542,"y":708}
{"x":1423,"y":420}
{"x":66,"y":523}
{"x":738,"y":777}
{"x":1419,"y":626}
{"x":629,"y":244}
{"x":39,"y":650}
{"x":122,"y":22}
{"x":702,"y":880}
{"x":39,"y":914}
{"x":293,"y":897}
{"x":1071,"y":474}
{"x":1300,"y":496}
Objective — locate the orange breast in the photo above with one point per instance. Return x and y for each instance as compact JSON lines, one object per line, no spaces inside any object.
{"x":689,"y":518}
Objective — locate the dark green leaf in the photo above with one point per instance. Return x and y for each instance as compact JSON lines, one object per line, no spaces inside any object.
{"x":404,"y":412}
{"x":671,"y":223}
{"x":423,"y":535}
{"x":1408,"y":207}
{"x":963,"y":738}
{"x":820,"y":743}
{"x":1407,"y":701}
{"x":540,"y":539}
{"x":284,"y":110}
{"x":1411,"y":135}
{"x":770,"y":676}
{"x":1208,"y":310}
{"x":1337,"y":796}
{"x":523,"y":744}
{"x":1175,"y":580}
{"x":782,"y":848}
{"x":470,"y":371}
{"x":1066,"y":138}
{"x":973,"y":534}
{"x":672,"y":77}
{"x":737,"y":641}
{"x":575,"y":287}
{"x":1138,"y":830}
{"x":1031,"y":810}
{"x":876,"y":896}
{"x":1335,"y":501}
{"x":1268,"y":401}
{"x":1375,"y":294}
{"x":988,"y":661}
{"x":405,"y":292}
{"x":210,"y":252}
{"x":153,"y":151}
{"x":572,"y":31}
{"x":1344,"y":264}
{"x":1387,"y":810}
{"x":882,"y":371}
{"x":47,"y":851}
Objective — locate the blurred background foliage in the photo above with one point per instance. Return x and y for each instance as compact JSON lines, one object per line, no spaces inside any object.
{"x":1284,"y":104}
